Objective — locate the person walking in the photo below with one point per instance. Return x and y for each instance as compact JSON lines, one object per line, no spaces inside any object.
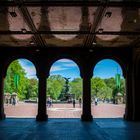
{"x":48,"y":102}
{"x":13,"y":101}
{"x":80,"y":102}
{"x":73,"y":103}
{"x":51,"y":105}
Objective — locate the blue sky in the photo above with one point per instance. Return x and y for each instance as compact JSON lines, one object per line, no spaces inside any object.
{"x":105,"y":69}
{"x":66,"y":68}
{"x":28,"y":67}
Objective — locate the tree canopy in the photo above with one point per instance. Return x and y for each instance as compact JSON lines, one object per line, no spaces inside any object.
{"x":16,"y":81}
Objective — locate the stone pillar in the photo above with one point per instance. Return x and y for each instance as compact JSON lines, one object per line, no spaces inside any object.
{"x":2,"y":115}
{"x":129,"y":95}
{"x":42,"y":112}
{"x":86,"y":114}
{"x":136,"y":91}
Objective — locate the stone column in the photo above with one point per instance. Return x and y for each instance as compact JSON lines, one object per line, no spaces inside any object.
{"x":129,"y":95}
{"x":136,"y":91}
{"x":42,"y":112}
{"x":86,"y":114}
{"x":2,"y":115}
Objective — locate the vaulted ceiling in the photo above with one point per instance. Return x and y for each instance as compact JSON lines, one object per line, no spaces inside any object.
{"x":80,"y":23}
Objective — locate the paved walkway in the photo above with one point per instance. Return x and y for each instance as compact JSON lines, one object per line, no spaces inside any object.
{"x":65,"y":111}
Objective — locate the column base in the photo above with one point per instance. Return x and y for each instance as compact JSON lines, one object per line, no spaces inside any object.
{"x":136,"y":117}
{"x":86,"y":118}
{"x":41,"y":117}
{"x":2,"y":116}
{"x":128,"y":117}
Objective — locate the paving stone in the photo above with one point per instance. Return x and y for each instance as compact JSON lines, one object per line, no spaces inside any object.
{"x":69,"y":129}
{"x":29,"y":110}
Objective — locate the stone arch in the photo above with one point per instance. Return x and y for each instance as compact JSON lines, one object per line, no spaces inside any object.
{"x":28,"y":98}
{"x":121,"y":98}
{"x":74,"y":110}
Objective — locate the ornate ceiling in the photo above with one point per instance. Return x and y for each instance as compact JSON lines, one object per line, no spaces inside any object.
{"x":81,"y":23}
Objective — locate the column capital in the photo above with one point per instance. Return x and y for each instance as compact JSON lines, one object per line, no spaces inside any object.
{"x":86,"y":73}
{"x":86,"y":70}
{"x":2,"y":73}
{"x":42,"y":75}
{"x":42,"y":72}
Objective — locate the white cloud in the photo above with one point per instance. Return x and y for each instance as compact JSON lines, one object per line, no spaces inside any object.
{"x":57,"y":68}
{"x":30,"y":70}
{"x":67,"y":63}
{"x":70,"y":65}
{"x":25,"y":62}
{"x":65,"y":60}
{"x":28,"y":67}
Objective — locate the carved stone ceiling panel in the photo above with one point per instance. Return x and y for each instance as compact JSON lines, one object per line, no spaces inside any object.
{"x":68,"y":26}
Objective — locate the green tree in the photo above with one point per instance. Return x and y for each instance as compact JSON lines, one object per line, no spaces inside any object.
{"x":96,"y":85}
{"x":55,"y":84}
{"x":10,"y":86}
{"x":31,"y":89}
{"x":110,"y":82}
{"x":76,"y":87}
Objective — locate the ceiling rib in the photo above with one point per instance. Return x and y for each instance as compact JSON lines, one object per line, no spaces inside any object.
{"x":97,"y":19}
{"x":71,"y":3}
{"x":136,"y":42}
{"x":37,"y":37}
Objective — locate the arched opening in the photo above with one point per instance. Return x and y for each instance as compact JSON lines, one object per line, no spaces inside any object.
{"x":20,"y":89}
{"x":108,"y":90}
{"x":64,"y":90}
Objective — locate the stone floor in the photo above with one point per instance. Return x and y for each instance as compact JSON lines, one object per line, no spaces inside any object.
{"x":69,"y":129}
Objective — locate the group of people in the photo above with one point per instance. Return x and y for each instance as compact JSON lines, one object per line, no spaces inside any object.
{"x":49,"y":102}
{"x":11,"y":100}
{"x":80,"y":102}
{"x":74,"y":102}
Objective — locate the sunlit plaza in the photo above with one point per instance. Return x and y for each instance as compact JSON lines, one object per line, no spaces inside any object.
{"x":29,"y":110}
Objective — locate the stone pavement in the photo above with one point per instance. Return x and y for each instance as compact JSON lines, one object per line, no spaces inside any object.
{"x":69,"y":129}
{"x":28,"y":110}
